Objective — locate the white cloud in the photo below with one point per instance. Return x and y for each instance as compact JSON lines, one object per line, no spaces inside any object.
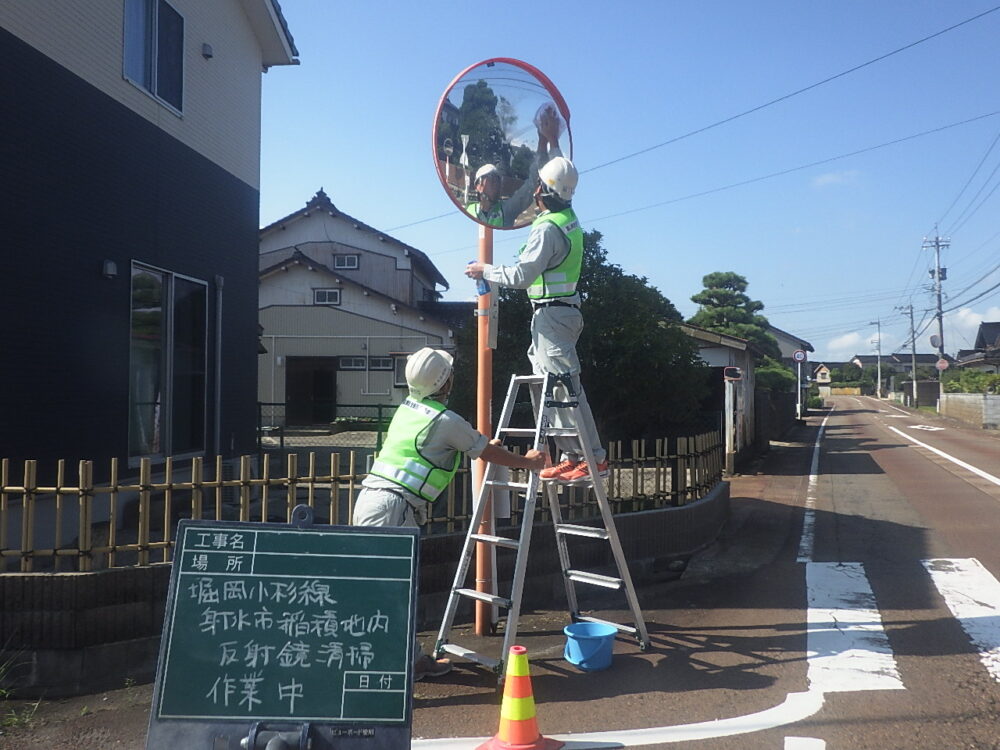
{"x":961,"y":327}
{"x":842,"y":348}
{"x":835,"y":178}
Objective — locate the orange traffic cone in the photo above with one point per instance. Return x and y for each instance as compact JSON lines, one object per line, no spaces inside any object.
{"x":518,"y":726}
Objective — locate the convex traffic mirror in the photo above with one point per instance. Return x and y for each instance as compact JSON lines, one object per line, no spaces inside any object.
{"x":496,"y":124}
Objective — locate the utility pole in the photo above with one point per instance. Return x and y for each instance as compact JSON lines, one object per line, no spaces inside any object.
{"x":878,"y":356}
{"x":938,"y":274}
{"x":913,"y":354}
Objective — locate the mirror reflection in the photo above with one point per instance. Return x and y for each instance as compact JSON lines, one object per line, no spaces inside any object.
{"x":496,"y":126}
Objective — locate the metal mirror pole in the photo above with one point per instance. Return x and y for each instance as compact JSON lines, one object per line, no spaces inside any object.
{"x":484,"y":401}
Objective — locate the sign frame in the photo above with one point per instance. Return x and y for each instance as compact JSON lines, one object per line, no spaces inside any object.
{"x":322,"y":558}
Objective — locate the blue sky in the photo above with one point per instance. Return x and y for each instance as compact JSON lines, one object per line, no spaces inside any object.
{"x":830,"y":245}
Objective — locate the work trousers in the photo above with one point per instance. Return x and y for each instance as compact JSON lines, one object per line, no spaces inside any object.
{"x":554,"y":333}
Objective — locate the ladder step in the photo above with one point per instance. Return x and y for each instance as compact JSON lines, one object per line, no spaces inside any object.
{"x":518,"y":431}
{"x":465,"y":653}
{"x":520,"y":486}
{"x":595,"y":579}
{"x":528,"y":378}
{"x":623,"y":628}
{"x":484,"y":597}
{"x":561,"y":432}
{"x":499,"y":541}
{"x":587,"y":531}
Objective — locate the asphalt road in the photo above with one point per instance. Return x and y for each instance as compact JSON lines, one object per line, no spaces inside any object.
{"x":852,"y":602}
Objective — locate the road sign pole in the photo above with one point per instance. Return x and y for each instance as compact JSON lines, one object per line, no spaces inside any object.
{"x":798,"y":391}
{"x":485,"y":580}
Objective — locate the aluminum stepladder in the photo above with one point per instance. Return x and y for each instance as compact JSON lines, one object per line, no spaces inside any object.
{"x":542,"y":390}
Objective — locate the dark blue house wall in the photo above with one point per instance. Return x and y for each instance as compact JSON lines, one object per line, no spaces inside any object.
{"x":85,"y":179}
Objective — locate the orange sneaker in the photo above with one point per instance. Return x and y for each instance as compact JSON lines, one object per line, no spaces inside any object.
{"x":582,"y":471}
{"x":557,"y":471}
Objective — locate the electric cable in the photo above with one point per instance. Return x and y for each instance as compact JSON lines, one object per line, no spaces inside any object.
{"x":794,"y":93}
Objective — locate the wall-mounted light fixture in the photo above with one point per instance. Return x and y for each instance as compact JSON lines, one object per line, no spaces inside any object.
{"x":109,"y":269}
{"x":206,"y":51}
{"x":279,"y":360}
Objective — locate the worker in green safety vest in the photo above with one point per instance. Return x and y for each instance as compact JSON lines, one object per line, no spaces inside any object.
{"x":422,"y":451}
{"x":549,"y":267}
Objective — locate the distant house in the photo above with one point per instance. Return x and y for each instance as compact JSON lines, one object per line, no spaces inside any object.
{"x":985,"y":354}
{"x":788,"y":344}
{"x":131,"y":134}
{"x":720,"y":351}
{"x":342,"y":304}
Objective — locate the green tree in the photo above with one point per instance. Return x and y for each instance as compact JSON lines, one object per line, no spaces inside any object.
{"x":642,"y":374}
{"x":478,"y":117}
{"x":725,"y":307}
{"x":774,"y":375}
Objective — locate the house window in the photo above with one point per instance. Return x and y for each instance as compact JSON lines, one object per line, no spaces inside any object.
{"x":345,"y":262}
{"x":167,"y":364}
{"x":352,"y":363}
{"x":380,"y":363}
{"x":399,"y":374}
{"x":326,"y":296}
{"x":154,"y":49}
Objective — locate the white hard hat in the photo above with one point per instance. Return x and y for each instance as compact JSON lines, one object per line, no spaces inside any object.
{"x":427,"y":371}
{"x":486,"y":169}
{"x":560,"y":177}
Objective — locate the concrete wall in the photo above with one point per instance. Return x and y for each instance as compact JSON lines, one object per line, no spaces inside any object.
{"x":977,"y":409}
{"x":77,"y":633}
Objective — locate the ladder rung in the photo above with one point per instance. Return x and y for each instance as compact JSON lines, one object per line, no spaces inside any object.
{"x":521,"y":486}
{"x":528,"y":378}
{"x":561,"y":432}
{"x":588,"y":531}
{"x":484,"y":597}
{"x":623,"y":628}
{"x":595,"y":579}
{"x":518,"y":431}
{"x":499,"y":541}
{"x":465,"y":653}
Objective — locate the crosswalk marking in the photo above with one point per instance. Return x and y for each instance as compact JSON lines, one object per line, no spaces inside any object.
{"x":847,"y":647}
{"x":973,"y":596}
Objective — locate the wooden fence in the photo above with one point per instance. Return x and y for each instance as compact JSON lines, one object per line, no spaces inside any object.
{"x":75,"y":524}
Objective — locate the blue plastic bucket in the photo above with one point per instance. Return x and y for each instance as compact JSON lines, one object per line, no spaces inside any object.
{"x":589,"y":645}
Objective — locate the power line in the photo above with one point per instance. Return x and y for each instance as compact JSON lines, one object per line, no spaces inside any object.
{"x":759,"y":107}
{"x":971,"y":178}
{"x":797,"y":169}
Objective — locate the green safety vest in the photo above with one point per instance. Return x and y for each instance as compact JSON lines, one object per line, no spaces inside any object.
{"x":560,"y":281}
{"x":400,"y":460}
{"x":494,"y":218}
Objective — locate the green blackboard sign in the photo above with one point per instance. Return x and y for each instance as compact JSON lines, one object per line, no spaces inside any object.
{"x":273,"y":622}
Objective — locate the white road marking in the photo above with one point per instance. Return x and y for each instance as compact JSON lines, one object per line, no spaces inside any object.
{"x":973,"y":596}
{"x":927,"y":427}
{"x":846,"y":645}
{"x":970,"y":467}
{"x":796,"y":707}
{"x":808,"y":536}
{"x":804,"y":743}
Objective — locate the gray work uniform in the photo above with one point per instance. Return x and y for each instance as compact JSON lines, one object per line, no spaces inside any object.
{"x":554,"y":330}
{"x":382,"y":502}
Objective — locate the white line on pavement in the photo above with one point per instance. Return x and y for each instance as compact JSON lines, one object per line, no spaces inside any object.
{"x":847,"y":647}
{"x":973,"y":596}
{"x":932,"y":449}
{"x":808,"y":536}
{"x":804,"y":743}
{"x":796,"y":707}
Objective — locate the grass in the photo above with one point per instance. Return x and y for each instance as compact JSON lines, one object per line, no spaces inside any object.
{"x":13,"y":715}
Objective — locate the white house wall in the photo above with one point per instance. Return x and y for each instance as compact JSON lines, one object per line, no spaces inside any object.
{"x":323,"y":331}
{"x":221,"y":117}
{"x":384,"y":265}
